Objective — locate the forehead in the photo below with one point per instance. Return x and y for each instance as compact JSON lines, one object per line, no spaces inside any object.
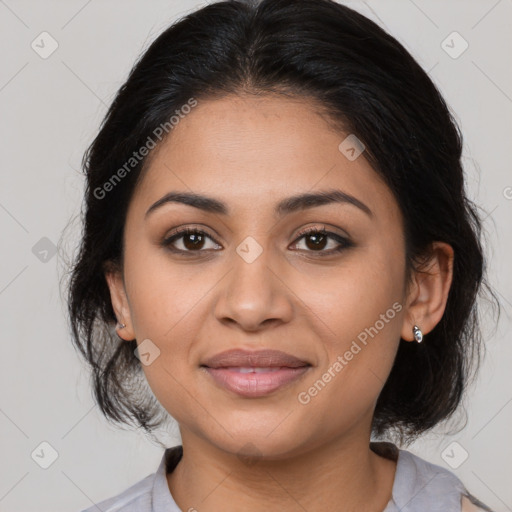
{"x":252,"y":151}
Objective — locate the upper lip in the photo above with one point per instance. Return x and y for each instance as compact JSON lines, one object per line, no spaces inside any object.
{"x":256,"y":359}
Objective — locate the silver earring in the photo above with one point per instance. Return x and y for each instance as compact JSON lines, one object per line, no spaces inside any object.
{"x":418,"y":335}
{"x":120,"y":325}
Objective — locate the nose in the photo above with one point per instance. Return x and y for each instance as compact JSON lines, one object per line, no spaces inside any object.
{"x":255,"y":295}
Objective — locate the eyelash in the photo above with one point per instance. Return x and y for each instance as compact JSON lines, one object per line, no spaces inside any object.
{"x":345,"y":243}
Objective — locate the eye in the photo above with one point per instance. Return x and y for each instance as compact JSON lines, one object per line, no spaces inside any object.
{"x":316,"y":240}
{"x":189,"y":240}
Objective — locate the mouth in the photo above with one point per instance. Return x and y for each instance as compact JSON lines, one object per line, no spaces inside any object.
{"x":254,"y":374}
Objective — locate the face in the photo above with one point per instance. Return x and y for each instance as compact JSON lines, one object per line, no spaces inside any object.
{"x":245,"y":276}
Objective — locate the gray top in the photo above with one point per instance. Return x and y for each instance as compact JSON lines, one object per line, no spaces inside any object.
{"x":419,"y":486}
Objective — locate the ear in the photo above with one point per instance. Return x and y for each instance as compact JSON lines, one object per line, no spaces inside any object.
{"x":428,"y":292}
{"x":115,"y":282}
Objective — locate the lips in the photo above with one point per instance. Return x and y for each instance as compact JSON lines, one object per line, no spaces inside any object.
{"x":260,"y":359}
{"x":254,"y":374}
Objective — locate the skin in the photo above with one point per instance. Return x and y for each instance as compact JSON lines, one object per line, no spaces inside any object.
{"x":251,"y":152}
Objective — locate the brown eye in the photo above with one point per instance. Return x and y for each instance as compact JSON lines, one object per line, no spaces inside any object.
{"x":193,"y":240}
{"x":316,"y":240}
{"x":188,"y":240}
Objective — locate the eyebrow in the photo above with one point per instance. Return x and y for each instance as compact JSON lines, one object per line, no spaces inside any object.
{"x":284,"y":207}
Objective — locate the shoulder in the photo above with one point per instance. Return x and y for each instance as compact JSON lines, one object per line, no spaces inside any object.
{"x":137,"y":498}
{"x":149,"y":494}
{"x":471,"y":504}
{"x":422,"y":485}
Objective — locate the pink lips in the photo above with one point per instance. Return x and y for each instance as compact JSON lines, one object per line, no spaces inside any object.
{"x":254,"y":374}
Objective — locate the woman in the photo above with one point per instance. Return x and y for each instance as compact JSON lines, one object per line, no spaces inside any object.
{"x":275,"y":217}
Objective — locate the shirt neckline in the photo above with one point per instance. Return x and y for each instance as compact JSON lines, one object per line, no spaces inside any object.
{"x":162,"y":499}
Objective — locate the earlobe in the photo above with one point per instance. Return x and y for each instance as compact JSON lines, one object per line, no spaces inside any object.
{"x":115,"y":282}
{"x":429,"y":295}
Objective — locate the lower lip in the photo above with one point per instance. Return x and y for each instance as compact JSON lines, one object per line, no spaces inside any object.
{"x":253,"y":385}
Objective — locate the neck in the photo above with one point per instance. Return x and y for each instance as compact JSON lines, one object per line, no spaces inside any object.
{"x":344,"y":475}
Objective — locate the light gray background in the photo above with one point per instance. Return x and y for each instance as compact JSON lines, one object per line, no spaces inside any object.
{"x":50,"y":111}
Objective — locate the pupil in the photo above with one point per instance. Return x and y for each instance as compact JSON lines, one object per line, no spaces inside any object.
{"x":195,"y":238}
{"x":318,"y":239}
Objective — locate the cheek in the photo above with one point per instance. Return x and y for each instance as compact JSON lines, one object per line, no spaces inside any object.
{"x":162,"y":295}
{"x":165,"y":305}
{"x":360,"y":305}
{"x":350,"y":298}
